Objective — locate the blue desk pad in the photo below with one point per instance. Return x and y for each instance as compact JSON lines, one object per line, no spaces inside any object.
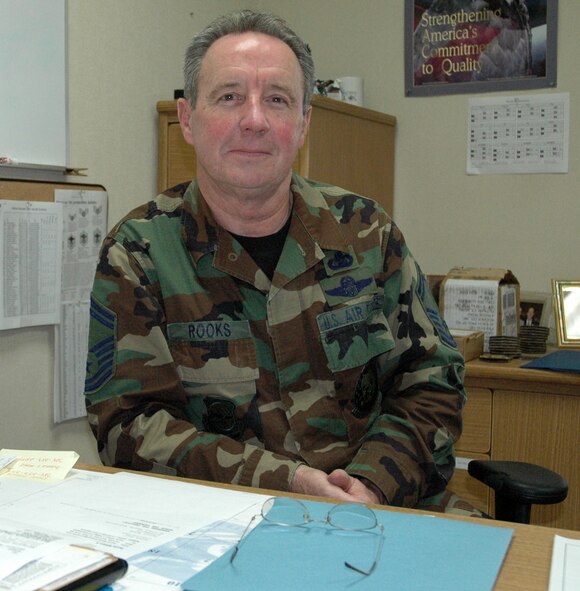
{"x":566,"y":361}
{"x":420,"y":552}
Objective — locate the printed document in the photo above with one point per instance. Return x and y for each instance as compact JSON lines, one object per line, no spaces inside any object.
{"x":84,"y":227}
{"x":30,"y":263}
{"x":565,"y":573}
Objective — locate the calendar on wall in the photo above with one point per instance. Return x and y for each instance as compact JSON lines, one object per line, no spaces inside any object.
{"x":518,"y":134}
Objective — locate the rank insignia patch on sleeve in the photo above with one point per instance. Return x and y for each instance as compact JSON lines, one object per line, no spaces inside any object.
{"x":433,"y":312}
{"x":101,"y":355}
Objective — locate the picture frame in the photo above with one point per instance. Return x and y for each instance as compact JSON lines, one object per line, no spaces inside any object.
{"x":443,"y":49}
{"x":535,"y":308}
{"x":566,"y":294}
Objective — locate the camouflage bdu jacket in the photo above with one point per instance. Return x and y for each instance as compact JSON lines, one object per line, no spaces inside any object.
{"x":201,"y":366}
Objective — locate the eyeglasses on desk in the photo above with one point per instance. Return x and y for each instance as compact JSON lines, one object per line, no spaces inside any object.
{"x":352,"y":517}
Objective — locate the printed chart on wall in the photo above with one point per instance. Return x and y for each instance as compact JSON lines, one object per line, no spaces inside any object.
{"x":84,"y":227}
{"x":518,"y":134}
{"x":30,"y":251}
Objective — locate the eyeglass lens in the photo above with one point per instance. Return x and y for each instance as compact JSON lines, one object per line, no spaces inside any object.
{"x":283,"y":511}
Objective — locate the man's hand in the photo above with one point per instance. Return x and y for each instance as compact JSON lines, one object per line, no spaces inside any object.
{"x":336,"y":485}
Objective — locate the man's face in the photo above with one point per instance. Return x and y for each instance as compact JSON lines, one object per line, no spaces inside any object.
{"x":248,"y":123}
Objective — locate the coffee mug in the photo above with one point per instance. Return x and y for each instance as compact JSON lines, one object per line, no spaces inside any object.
{"x":351,"y":88}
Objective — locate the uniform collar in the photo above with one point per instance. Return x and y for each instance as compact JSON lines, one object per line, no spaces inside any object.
{"x":313,"y":229}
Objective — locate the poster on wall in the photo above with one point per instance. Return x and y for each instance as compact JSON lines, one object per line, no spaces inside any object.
{"x":467,"y":46}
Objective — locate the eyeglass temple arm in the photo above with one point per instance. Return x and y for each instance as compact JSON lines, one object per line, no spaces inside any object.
{"x":237,"y":546}
{"x":369,"y":571}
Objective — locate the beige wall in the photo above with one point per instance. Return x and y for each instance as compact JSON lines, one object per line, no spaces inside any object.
{"x":528,"y":223}
{"x":125,"y":55}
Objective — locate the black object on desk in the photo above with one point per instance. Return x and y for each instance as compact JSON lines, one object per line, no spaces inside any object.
{"x":91,"y":578}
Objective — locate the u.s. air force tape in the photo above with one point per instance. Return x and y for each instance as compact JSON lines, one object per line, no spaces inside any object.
{"x":349,"y":314}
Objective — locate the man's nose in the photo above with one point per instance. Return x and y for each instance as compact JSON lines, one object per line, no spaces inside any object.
{"x":254,"y":116}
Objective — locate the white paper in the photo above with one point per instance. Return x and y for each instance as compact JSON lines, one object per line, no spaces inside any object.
{"x":43,"y":564}
{"x":175,"y":562}
{"x":84,"y":227}
{"x":565,"y":571}
{"x":30,"y":263}
{"x":126,"y":514}
{"x":71,"y":338}
{"x":14,"y":490}
{"x":41,"y":465}
{"x":472,"y":304}
{"x":20,"y":544}
{"x":155,"y":563}
{"x":518,"y":134}
{"x":510,"y":315}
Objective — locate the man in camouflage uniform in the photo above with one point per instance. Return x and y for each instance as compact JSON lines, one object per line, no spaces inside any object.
{"x":259,"y":329}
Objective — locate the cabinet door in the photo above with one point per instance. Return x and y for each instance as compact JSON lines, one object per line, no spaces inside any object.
{"x":468,"y":488}
{"x":181,"y":160}
{"x":474,"y":444}
{"x":542,"y":429}
{"x":353,"y":148}
{"x":476,"y":436}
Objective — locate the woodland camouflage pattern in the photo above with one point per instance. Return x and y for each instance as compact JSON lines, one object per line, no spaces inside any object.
{"x":200,"y":366}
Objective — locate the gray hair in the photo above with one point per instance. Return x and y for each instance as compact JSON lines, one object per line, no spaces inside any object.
{"x":246,"y":21}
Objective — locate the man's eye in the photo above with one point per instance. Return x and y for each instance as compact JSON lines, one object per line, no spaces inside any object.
{"x":279,"y":99}
{"x":230,"y":97}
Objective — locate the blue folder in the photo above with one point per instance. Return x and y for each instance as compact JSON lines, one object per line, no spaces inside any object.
{"x":419,"y":552}
{"x":566,"y":361}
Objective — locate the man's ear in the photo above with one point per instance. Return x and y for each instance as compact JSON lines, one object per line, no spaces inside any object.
{"x":184,"y":116}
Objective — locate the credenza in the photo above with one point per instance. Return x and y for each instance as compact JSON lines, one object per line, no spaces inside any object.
{"x":346,"y":145}
{"x":525,"y":415}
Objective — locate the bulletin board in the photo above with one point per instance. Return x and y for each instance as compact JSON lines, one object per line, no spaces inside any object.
{"x":48,"y":253}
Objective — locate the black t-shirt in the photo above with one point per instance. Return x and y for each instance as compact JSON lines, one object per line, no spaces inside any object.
{"x":266,"y":250}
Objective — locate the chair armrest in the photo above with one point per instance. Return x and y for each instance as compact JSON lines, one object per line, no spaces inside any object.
{"x":520,"y":482}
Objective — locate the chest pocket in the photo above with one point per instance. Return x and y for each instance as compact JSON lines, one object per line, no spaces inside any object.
{"x":215,"y":358}
{"x":354,"y":334}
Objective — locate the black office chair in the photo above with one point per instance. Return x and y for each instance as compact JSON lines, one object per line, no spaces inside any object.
{"x":518,"y":486}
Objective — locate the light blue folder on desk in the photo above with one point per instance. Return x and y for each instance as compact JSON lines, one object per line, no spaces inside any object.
{"x":420,"y":552}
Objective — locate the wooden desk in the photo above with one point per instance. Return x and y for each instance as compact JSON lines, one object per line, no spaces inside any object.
{"x":527,"y":565}
{"x":525,"y":415}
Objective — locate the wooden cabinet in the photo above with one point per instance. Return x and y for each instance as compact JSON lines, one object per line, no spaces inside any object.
{"x":348,"y":146}
{"x":524,"y":415}
{"x":474,"y":444}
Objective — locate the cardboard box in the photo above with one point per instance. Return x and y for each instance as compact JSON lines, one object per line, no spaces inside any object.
{"x":481,"y":299}
{"x":469,"y":343}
